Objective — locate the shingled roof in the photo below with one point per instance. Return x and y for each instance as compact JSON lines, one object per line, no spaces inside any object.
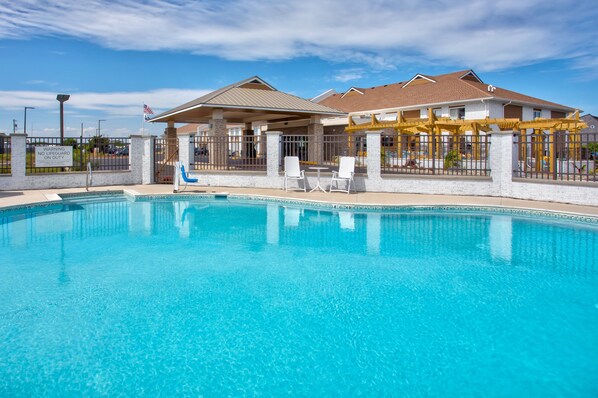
{"x":252,"y":94}
{"x":425,"y":90}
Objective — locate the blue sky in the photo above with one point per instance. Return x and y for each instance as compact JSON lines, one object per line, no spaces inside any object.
{"x":112,"y":56}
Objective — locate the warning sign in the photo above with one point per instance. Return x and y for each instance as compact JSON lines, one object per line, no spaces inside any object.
{"x":53,"y":156}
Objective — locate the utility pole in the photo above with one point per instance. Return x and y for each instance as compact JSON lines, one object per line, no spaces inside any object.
{"x":14,"y":126}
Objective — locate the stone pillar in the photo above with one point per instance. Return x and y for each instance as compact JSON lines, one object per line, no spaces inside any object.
{"x":501,"y":163}
{"x":315,"y":140}
{"x":18,"y":155}
{"x":184,"y":154}
{"x":218,"y":147}
{"x":273,"y":152}
{"x":170,"y":136}
{"x":136,"y":156}
{"x":373,"y":159}
{"x":148,"y":160}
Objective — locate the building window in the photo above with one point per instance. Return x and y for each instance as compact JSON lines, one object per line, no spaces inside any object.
{"x":537,"y":113}
{"x":437,"y":112}
{"x":457,"y":113}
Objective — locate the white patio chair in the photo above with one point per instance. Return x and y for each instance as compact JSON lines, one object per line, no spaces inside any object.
{"x":345,"y":172}
{"x":292,"y":171}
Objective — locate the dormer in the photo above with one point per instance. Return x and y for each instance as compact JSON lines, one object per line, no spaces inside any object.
{"x":352,"y":91}
{"x":419,"y":79}
{"x":471,"y":76}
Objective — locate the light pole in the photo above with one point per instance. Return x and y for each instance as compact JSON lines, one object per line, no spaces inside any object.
{"x":62,"y":98}
{"x":25,"y":121}
{"x":100,"y":126}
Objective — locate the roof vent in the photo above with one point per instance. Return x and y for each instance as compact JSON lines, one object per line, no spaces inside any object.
{"x":491,"y":88}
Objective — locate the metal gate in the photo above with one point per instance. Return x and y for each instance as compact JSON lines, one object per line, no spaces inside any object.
{"x":166,"y":153}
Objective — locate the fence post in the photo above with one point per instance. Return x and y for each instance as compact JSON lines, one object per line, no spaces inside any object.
{"x":184,"y":154}
{"x":147,"y":176}
{"x":136,"y":158}
{"x":272,"y":153}
{"x":18,"y":155}
{"x":501,"y":163}
{"x":373,"y":158}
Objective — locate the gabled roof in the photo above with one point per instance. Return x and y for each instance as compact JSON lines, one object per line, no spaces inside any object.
{"x":451,"y":88}
{"x":353,"y":90}
{"x":419,"y":76}
{"x":243,"y":98}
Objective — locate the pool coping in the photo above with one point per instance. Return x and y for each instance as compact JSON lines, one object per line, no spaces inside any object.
{"x":63,"y":198}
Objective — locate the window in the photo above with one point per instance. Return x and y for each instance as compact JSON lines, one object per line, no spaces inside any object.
{"x":437,"y":112}
{"x":537,"y":113}
{"x":457,"y":113}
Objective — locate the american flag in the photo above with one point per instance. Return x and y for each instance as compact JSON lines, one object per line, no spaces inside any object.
{"x":147,"y":110}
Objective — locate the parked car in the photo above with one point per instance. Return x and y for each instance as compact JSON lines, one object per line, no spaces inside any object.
{"x":124,"y":151}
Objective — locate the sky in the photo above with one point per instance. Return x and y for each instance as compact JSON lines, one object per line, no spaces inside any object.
{"x":112,"y":56}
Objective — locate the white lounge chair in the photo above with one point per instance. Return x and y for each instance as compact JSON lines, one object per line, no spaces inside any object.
{"x":345,"y":172}
{"x":292,"y":171}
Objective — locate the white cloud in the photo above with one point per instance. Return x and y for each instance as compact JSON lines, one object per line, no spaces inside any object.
{"x":111,"y":104}
{"x":478,"y":33}
{"x":346,"y":75}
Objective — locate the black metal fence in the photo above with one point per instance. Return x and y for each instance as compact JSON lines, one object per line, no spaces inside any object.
{"x":465,"y":155}
{"x":166,"y":154}
{"x":325,"y":151}
{"x":5,"y":154}
{"x":246,"y":152}
{"x":104,"y":154}
{"x":559,"y":156}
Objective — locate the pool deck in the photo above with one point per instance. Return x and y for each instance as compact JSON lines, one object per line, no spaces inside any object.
{"x":15,"y":198}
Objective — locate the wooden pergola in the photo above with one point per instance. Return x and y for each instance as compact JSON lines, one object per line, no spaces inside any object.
{"x":433,"y":125}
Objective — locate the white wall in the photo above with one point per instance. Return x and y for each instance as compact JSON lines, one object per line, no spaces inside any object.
{"x":19,"y":180}
{"x":475,"y":110}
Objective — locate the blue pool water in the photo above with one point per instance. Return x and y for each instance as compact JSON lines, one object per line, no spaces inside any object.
{"x":229,"y":298}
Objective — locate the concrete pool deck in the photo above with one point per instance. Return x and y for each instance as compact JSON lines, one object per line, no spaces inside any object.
{"x":16,"y":198}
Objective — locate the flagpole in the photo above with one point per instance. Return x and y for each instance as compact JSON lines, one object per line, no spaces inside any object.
{"x":142,"y":119}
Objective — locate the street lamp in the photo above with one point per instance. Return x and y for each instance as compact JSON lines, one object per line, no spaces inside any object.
{"x":62,"y":98}
{"x":100,"y":126}
{"x":25,"y":122}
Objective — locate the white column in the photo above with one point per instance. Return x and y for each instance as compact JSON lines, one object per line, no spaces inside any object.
{"x":184,"y":141}
{"x":18,"y":155}
{"x":373,"y":159}
{"x":136,"y":157}
{"x":148,"y":160}
{"x":273,"y":152}
{"x":501,"y":163}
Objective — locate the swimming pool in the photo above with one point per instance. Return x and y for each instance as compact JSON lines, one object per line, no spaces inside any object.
{"x":227,"y":297}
